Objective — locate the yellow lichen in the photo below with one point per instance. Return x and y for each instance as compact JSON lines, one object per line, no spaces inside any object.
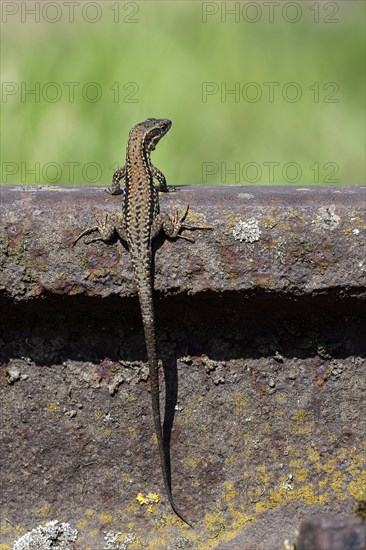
{"x":263,"y":506}
{"x":106,"y":518}
{"x":296,"y":463}
{"x":141,"y":499}
{"x":215,"y":523}
{"x":19,"y":530}
{"x":53,"y":407}
{"x":82,"y":524}
{"x":196,"y":218}
{"x":151,"y":498}
{"x":132,"y":508}
{"x":301,"y":475}
{"x":342,"y":454}
{"x":330,"y":466}
{"x":280,"y":397}
{"x":231,"y":459}
{"x":357,"y":487}
{"x":304,"y":429}
{"x":5,"y":528}
{"x":44,"y":511}
{"x":267,"y":223}
{"x":313,"y":455}
{"x":243,"y":520}
{"x":299,"y":416}
{"x":137,"y":544}
{"x":241,"y":402}
{"x":337,"y":485}
{"x":193,"y":463}
{"x":131,"y":397}
{"x":230,"y":492}
{"x":358,"y":221}
{"x":263,"y":476}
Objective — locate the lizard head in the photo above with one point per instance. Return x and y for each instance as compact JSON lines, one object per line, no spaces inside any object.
{"x":153,"y":130}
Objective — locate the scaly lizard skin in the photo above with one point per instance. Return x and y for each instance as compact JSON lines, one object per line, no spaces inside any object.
{"x":139,"y":223}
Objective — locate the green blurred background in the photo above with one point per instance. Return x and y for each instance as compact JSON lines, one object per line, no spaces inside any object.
{"x":179,"y":60}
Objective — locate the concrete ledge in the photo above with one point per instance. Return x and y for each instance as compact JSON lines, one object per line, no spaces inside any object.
{"x":281,"y":239}
{"x":260,"y":328}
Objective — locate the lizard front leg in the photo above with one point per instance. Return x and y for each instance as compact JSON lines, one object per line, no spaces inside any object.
{"x":115,"y":188}
{"x":159,"y":176}
{"x":107,"y":226}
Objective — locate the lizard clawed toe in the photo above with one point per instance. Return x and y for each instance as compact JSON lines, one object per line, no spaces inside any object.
{"x":85,"y":232}
{"x":190,"y":239}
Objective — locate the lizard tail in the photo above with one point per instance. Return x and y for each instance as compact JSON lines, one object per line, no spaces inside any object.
{"x":147,"y":312}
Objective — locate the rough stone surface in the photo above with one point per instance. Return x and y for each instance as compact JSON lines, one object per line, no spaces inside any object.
{"x":261,"y":335}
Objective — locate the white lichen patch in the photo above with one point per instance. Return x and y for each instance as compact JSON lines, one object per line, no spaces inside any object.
{"x":248,"y":232}
{"x":118,"y":541}
{"x":327,"y":218}
{"x":53,"y":535}
{"x":13,"y":374}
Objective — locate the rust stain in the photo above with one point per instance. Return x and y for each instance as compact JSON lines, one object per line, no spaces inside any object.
{"x":295,"y":224}
{"x":346,"y":439}
{"x":14,"y":235}
{"x":106,"y":370}
{"x":321,"y":370}
{"x":259,"y":383}
{"x":40,"y":257}
{"x":197,"y":266}
{"x":211,"y":472}
{"x":63,"y":286}
{"x":230,"y":261}
{"x":321,"y":255}
{"x":261,"y":274}
{"x":268,"y":241}
{"x":109,"y":258}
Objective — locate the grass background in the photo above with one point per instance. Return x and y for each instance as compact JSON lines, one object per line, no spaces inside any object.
{"x":160,"y":54}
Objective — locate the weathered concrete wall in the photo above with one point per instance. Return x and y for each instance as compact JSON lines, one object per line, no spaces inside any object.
{"x":260,"y":326}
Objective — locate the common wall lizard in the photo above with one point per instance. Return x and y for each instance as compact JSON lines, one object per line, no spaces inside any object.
{"x":139,"y":223}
